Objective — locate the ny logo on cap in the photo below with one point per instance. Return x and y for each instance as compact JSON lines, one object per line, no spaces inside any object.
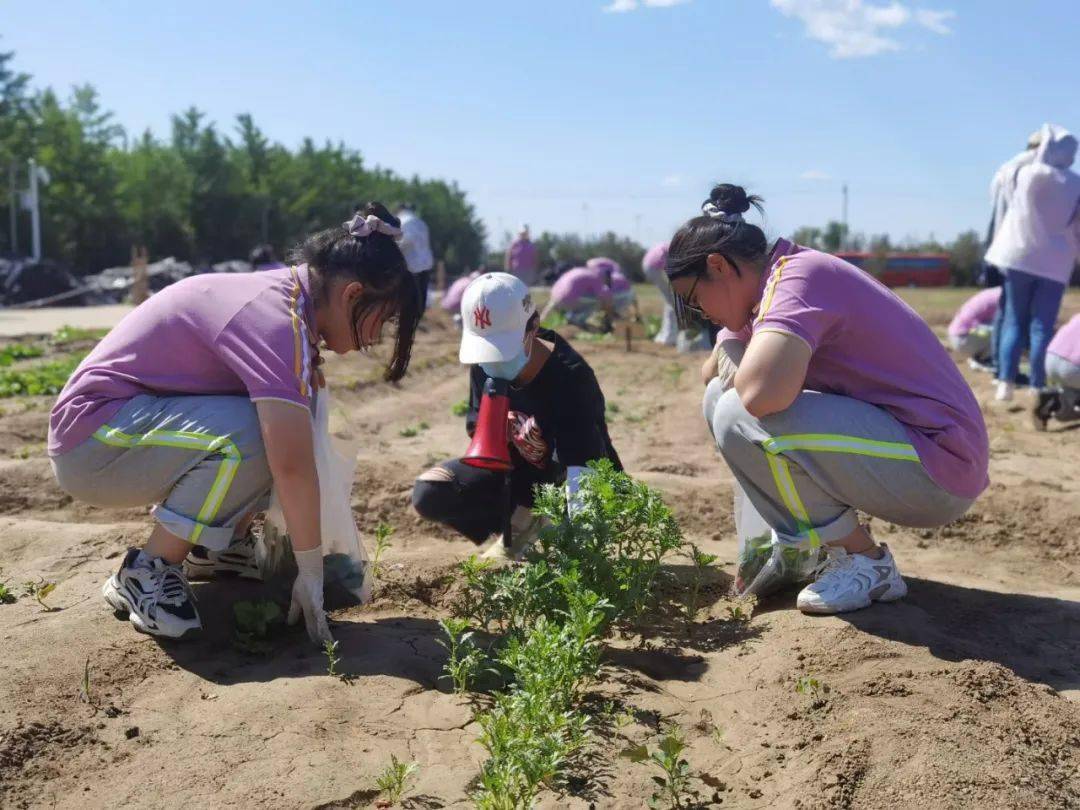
{"x":482,"y":317}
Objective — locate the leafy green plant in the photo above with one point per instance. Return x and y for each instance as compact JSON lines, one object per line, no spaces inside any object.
{"x":253,"y":623}
{"x":674,"y":372}
{"x":382,"y":543}
{"x":394,"y":779}
{"x":466,"y":660}
{"x":741,"y":611}
{"x":702,"y":562}
{"x":38,"y":380}
{"x":616,"y":539}
{"x":18,"y":351}
{"x":73,"y":334}
{"x":460,"y":408}
{"x":40,"y":590}
{"x":673,"y":788}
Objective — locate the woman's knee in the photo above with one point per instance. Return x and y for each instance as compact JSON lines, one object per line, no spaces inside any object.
{"x":725,"y":414}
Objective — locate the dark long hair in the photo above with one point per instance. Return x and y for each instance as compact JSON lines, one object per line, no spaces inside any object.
{"x":723,"y":232}
{"x":376,"y":262}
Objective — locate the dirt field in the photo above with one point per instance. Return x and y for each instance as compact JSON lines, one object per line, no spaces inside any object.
{"x":966,"y":694}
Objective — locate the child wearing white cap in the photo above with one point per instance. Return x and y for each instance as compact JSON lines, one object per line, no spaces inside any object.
{"x":556,"y":418}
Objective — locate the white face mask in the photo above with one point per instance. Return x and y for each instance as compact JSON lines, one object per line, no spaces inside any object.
{"x":506,"y":369}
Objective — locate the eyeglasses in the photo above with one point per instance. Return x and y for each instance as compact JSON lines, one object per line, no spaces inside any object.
{"x":687,"y":310}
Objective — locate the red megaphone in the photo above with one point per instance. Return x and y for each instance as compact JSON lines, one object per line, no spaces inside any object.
{"x":490,"y":447}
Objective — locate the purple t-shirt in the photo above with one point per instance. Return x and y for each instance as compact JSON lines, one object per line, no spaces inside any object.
{"x":248,"y":334}
{"x":578,"y":283}
{"x":868,"y":344}
{"x":655,"y":258}
{"x":979,"y":310}
{"x":451,"y":302}
{"x":1066,"y":343}
{"x":522,"y":257}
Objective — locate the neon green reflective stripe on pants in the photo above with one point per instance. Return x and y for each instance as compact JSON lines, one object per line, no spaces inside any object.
{"x":822,"y":443}
{"x":836,"y":443}
{"x":186,"y":440}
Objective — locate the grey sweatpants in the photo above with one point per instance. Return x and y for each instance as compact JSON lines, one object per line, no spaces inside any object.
{"x":975,"y":344}
{"x":199,"y":459}
{"x":1060,"y":371}
{"x":809,"y":469}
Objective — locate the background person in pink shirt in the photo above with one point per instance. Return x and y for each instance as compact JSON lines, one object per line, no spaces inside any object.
{"x":451,"y":301}
{"x":522,"y":259}
{"x":971,"y":329}
{"x":577,"y":293}
{"x":200,"y":399}
{"x":843,"y":400}
{"x":1062,"y":400}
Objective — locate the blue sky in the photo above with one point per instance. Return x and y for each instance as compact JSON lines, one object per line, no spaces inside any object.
{"x":586,"y":115}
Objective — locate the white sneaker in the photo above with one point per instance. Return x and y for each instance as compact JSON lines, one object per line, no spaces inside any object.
{"x":243,"y":558}
{"x":1004,"y":391}
{"x":524,"y":530}
{"x":852,"y":582}
{"x":155,"y":595}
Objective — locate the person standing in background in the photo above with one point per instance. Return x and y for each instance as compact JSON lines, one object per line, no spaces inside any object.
{"x":415,"y":243}
{"x":1002,"y":188}
{"x":522,"y":259}
{"x":1037,"y":248}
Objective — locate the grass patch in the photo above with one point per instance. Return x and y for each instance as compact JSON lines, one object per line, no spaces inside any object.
{"x":19,"y":351}
{"x":74,"y":334}
{"x":411,"y":431}
{"x":41,"y":379}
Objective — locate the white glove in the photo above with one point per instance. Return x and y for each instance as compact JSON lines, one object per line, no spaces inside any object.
{"x":307,"y":595}
{"x":574,"y":475}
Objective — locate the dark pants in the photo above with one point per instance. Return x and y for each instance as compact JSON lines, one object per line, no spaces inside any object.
{"x":471,"y":501}
{"x":422,"y":282}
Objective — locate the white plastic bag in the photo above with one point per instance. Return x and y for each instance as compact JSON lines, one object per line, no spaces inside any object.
{"x":345,"y":560}
{"x":768,"y":562}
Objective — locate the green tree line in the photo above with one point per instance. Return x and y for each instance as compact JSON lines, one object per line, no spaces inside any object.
{"x":201,"y":194}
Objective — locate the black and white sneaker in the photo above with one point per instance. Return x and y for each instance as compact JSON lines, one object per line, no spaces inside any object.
{"x":154,"y":595}
{"x":243,"y":558}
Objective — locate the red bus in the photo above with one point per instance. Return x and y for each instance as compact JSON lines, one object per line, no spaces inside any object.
{"x":904,"y":269}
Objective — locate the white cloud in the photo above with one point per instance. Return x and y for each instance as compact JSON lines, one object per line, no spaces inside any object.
{"x":815,"y":174}
{"x":620,"y":6}
{"x":854,"y":28}
{"x":672,"y":181}
{"x":936,"y":21}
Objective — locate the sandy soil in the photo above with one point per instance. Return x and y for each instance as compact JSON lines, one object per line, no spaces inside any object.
{"x":963,"y":695}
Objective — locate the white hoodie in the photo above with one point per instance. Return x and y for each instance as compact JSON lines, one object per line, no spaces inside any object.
{"x":415,"y":243}
{"x":1038,"y":235}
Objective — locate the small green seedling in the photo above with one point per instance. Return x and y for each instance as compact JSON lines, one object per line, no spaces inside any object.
{"x":673,"y":788}
{"x":466,"y":661}
{"x":382,"y":543}
{"x":7,"y":596}
{"x":254,"y":621}
{"x":674,"y":372}
{"x":460,"y":408}
{"x":40,"y":590}
{"x":702,"y":562}
{"x":394,"y":779}
{"x":739,"y":613}
{"x":809,"y":685}
{"x":330,"y":650}
{"x":410,"y":431}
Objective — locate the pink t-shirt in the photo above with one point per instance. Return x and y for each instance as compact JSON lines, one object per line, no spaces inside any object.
{"x":250,"y":334}
{"x":655,"y":258}
{"x":451,"y":302}
{"x":578,"y":283}
{"x":603,"y":263}
{"x":1066,"y":343}
{"x":867,"y":344}
{"x":979,"y":310}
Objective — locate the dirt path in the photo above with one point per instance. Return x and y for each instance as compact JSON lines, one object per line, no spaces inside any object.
{"x":967,"y":694}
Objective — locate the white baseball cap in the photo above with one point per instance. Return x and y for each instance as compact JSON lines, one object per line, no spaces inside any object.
{"x":495,"y":310}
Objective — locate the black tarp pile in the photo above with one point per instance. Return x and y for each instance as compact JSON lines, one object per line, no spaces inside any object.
{"x":26,"y":282}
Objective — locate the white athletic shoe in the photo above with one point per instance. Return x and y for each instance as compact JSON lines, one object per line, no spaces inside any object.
{"x":243,"y":558}
{"x":852,"y":582}
{"x":525,"y":529}
{"x":155,"y":595}
{"x":1004,"y":391}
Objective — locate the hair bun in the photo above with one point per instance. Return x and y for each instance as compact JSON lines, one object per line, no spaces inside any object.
{"x":730,"y":199}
